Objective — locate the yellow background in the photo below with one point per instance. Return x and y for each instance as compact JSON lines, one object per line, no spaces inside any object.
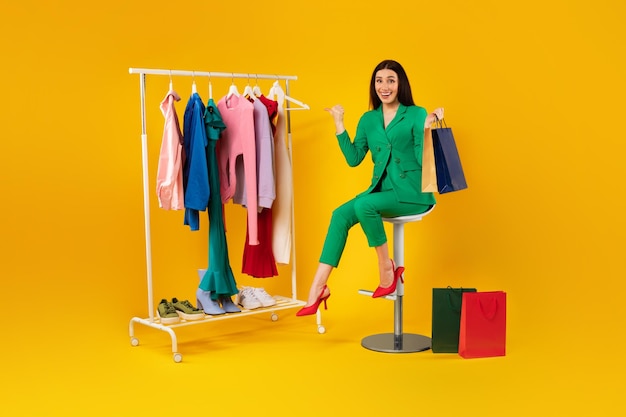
{"x":534,"y":92}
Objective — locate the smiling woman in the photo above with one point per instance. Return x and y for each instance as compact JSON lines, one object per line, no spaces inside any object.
{"x":536,"y":90}
{"x":386,"y":84}
{"x":393,"y":130}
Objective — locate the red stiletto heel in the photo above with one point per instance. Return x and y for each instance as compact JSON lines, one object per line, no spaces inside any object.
{"x":397,"y":273}
{"x":312,"y":309}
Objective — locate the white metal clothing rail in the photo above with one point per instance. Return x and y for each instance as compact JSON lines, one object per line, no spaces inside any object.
{"x":210,"y":74}
{"x":283,"y":302}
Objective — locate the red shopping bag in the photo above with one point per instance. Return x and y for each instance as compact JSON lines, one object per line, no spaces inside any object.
{"x":483,"y":324}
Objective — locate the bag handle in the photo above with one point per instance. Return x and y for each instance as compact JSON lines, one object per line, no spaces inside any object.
{"x":440,"y":123}
{"x":492,"y":313}
{"x":450,"y":292}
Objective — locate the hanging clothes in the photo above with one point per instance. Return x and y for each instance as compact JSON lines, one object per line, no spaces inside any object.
{"x":265,"y":170}
{"x":169,"y":170}
{"x":236,"y":151}
{"x":272,"y":111}
{"x":258,"y":260}
{"x":195,"y":168}
{"x":219,"y":278}
{"x":282,"y":208}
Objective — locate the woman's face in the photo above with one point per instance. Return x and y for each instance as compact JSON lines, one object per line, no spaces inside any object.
{"x":386,"y":83}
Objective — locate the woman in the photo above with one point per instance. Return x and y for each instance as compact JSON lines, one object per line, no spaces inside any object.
{"x":393,"y":130}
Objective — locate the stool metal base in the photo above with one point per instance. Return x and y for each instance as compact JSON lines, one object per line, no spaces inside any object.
{"x":398,"y":341}
{"x":391,"y":343}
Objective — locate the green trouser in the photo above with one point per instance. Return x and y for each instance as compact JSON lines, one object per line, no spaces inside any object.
{"x":368,"y":209}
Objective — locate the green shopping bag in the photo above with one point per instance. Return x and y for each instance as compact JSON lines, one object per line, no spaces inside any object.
{"x":446,"y":319}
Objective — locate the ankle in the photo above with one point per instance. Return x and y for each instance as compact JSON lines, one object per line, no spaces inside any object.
{"x":386,"y":265}
{"x":316,"y":292}
{"x":320,"y":289}
{"x":386,"y":274}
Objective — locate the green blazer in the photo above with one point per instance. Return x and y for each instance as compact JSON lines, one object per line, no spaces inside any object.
{"x":396,"y":149}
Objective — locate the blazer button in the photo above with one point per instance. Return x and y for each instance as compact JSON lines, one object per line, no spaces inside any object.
{"x":403,"y":175}
{"x":378,"y":149}
{"x":397,"y":160}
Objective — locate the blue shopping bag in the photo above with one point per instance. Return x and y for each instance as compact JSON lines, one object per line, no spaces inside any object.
{"x":450,"y":176}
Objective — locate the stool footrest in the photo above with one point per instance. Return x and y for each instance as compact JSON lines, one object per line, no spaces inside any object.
{"x":392,"y":343}
{"x":369,"y":293}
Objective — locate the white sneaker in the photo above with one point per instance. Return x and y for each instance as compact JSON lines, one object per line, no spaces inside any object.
{"x":247,"y":299}
{"x":262,"y":295}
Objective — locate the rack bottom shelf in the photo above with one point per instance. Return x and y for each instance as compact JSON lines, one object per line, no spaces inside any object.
{"x":282,"y":303}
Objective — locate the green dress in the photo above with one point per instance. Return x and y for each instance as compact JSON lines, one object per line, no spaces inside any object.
{"x":219,"y":278}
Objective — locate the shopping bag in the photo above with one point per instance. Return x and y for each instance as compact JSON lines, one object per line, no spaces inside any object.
{"x":446,"y":319}
{"x":429,"y":171}
{"x":450,"y":175}
{"x":483,"y":325}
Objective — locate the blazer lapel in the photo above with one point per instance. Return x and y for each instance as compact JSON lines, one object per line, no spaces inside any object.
{"x":398,"y":118}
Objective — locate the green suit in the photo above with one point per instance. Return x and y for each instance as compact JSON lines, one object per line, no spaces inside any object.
{"x":396,"y":186}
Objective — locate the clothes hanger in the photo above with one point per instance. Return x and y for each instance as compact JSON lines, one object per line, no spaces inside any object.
{"x":247,"y":91}
{"x":272,"y":91}
{"x":278,"y":91}
{"x":232,"y":91}
{"x":171,"y":83}
{"x":257,"y":90}
{"x":210,"y":87}
{"x":301,"y":105}
{"x":193,"y":83}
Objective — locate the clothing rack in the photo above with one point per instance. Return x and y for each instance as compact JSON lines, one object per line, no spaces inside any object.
{"x":282,"y":302}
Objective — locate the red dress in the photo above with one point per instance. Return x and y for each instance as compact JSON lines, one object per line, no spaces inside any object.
{"x":258,"y":260}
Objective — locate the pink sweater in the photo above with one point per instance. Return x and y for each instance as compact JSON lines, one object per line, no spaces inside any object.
{"x":169,"y":171}
{"x":239,"y":139}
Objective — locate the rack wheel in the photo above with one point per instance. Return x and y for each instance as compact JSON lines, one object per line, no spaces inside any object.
{"x":178,"y":357}
{"x":274,"y":317}
{"x":134,"y":341}
{"x":321,"y":329}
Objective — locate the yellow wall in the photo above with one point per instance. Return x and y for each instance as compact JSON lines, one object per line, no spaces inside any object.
{"x":533,"y":91}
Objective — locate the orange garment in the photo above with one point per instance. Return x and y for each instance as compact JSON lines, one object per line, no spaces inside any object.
{"x":169,"y":171}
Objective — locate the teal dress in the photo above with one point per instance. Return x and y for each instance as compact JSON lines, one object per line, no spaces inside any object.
{"x":219,"y":278}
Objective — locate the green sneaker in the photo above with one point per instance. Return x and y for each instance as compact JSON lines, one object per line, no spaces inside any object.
{"x":167,"y":313}
{"x":186,"y":310}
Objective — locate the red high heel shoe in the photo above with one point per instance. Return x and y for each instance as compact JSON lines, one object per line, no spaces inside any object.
{"x":312,"y":309}
{"x":397,"y":273}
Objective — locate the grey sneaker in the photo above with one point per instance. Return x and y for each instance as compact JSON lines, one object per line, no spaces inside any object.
{"x":264,"y":298}
{"x":186,"y":310}
{"x":247,"y":300}
{"x":167,"y":313}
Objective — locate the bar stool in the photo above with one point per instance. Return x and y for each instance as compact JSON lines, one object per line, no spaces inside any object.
{"x":397,"y":342}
